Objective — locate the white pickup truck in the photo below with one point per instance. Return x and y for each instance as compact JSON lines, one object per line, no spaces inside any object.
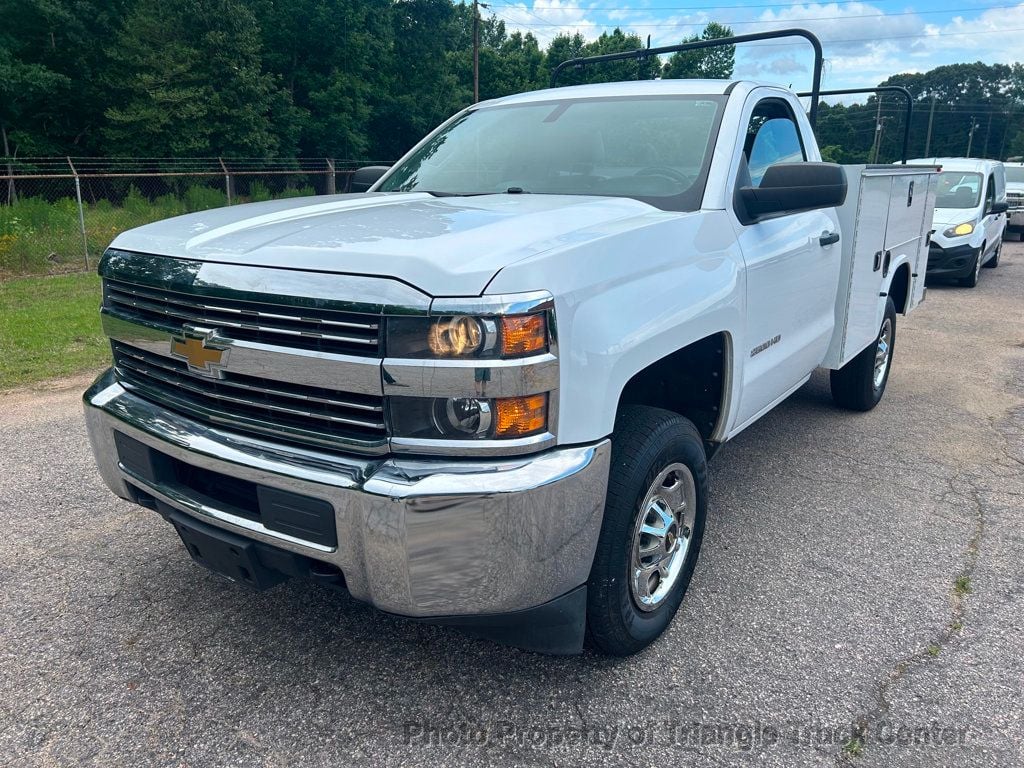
{"x":484,"y":394}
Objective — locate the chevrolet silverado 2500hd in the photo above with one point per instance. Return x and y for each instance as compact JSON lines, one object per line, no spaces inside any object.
{"x":484,"y":394}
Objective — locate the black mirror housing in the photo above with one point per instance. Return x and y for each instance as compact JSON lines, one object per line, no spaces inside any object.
{"x":364,"y":178}
{"x":1000,"y":207}
{"x":794,"y":187}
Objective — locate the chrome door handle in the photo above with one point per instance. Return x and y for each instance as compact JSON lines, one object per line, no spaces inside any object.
{"x":828,"y":238}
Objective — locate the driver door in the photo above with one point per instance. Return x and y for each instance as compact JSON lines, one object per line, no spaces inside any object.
{"x":792,"y":274}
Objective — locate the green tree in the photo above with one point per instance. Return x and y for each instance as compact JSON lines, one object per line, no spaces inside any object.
{"x":712,"y":63}
{"x":328,"y":57}
{"x":200,"y":90}
{"x":53,"y":54}
{"x":987,"y":94}
{"x":565,"y":47}
{"x":420,"y":84}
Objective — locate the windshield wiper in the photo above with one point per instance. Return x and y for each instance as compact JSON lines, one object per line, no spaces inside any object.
{"x":509,"y":191}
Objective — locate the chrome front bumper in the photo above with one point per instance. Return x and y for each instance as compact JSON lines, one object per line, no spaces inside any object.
{"x":420,"y":538}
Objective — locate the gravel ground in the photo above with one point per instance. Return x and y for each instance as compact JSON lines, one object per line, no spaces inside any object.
{"x":860,"y":598}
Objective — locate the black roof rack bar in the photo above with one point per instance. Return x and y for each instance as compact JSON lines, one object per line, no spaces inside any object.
{"x":880,"y":89}
{"x":642,"y":53}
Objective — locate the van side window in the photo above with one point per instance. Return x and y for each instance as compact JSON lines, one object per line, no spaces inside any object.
{"x":990,"y":193}
{"x":772,"y":137}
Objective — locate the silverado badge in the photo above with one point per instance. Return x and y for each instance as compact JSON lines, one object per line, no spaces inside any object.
{"x":197,"y":348}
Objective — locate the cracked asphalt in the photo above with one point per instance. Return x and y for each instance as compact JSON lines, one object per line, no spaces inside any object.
{"x":859,"y":600}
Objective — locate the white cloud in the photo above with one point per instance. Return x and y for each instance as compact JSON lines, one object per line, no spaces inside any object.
{"x":554,"y":17}
{"x":862,"y":44}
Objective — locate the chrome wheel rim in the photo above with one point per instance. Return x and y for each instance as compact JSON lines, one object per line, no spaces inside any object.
{"x":662,"y":536}
{"x":882,"y":352}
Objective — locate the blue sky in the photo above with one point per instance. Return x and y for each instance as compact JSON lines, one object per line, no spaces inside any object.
{"x":864,"y":42}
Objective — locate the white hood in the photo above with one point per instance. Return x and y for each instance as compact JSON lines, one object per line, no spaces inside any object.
{"x":952,"y":216}
{"x":446,"y":246}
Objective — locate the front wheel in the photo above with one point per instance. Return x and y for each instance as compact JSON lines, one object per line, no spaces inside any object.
{"x":860,"y":384}
{"x":994,"y":261}
{"x":652,"y":529}
{"x":972,"y":279}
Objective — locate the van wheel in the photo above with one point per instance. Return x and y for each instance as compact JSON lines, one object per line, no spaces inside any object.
{"x":994,"y":261}
{"x":972,"y":279}
{"x":652,"y":529}
{"x":860,"y":384}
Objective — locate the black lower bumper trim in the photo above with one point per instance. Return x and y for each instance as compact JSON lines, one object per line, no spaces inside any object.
{"x":556,"y":627}
{"x":293,"y":514}
{"x":957,"y":261}
{"x":239,"y":558}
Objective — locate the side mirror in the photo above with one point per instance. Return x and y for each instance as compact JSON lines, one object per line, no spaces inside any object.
{"x":998,"y":208}
{"x":793,"y":187}
{"x":364,"y":178}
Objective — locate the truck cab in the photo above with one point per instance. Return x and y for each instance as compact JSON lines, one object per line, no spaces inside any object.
{"x":485,"y":392}
{"x":1014,"y":197}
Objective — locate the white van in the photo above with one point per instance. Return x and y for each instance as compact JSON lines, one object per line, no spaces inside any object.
{"x":970,"y":216}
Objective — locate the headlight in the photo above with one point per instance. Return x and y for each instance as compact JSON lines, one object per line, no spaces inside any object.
{"x":458,"y":336}
{"x":469,"y":417}
{"x":467,"y":336}
{"x":960,"y":230}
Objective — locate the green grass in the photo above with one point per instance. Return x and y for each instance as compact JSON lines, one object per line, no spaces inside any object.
{"x":50,"y":327}
{"x":962,"y":585}
{"x":39,"y":236}
{"x":854,"y":747}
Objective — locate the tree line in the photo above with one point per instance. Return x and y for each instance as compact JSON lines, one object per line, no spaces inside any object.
{"x":367,"y":79}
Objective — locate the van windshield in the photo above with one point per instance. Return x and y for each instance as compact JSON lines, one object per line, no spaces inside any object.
{"x":656,"y":149}
{"x":958,"y":190}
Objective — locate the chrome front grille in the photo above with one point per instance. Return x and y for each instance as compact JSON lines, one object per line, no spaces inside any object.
{"x":284,"y":410}
{"x":283,"y":325}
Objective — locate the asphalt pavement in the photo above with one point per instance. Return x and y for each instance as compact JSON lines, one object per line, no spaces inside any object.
{"x":859,"y":599}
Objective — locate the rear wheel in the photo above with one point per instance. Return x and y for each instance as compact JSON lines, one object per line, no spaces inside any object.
{"x":860,"y":384}
{"x":652,"y":529}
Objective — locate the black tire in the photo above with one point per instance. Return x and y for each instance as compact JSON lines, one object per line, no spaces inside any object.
{"x":645,"y":442}
{"x":853,"y":385}
{"x":994,"y":261}
{"x":972,"y":279}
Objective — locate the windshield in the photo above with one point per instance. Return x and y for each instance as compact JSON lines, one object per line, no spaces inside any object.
{"x":1015,"y":174}
{"x":655,"y":149}
{"x":958,"y":190}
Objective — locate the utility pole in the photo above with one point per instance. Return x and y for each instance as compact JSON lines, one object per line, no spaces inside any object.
{"x":879,"y":134}
{"x":970,"y":135}
{"x":878,"y":129}
{"x":477,"y":5}
{"x":931,"y":118}
{"x":984,"y":151}
{"x":1006,"y":133}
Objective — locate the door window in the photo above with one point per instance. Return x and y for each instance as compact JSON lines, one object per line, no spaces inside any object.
{"x":990,"y":194}
{"x":772,"y":137}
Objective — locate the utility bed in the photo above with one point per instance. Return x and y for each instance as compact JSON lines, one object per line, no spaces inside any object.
{"x":887,"y":214}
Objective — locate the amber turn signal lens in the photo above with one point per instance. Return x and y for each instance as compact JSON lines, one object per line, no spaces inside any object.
{"x":523,"y":334}
{"x":521,"y":416}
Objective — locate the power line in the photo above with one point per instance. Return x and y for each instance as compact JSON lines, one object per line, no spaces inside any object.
{"x":549,"y":23}
{"x":877,"y":38}
{"x":745,"y":5}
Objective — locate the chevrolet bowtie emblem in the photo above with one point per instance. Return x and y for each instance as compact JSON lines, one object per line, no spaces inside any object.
{"x":203,"y":355}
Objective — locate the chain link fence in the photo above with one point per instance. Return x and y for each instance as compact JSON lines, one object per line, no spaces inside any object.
{"x":59,"y":214}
